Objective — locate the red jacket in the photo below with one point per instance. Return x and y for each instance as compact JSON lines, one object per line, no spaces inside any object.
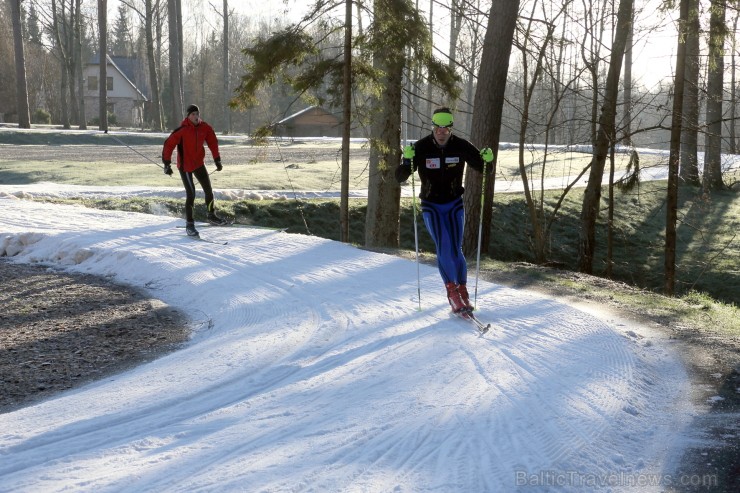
{"x":189,"y":140}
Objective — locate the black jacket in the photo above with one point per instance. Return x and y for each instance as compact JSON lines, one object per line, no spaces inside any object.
{"x":441,"y":168}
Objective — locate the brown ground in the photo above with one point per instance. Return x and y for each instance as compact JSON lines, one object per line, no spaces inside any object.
{"x":58,"y":331}
{"x":61,"y":330}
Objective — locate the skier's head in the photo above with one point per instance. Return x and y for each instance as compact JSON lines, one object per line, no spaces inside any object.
{"x":442,"y":125}
{"x":193,"y":114}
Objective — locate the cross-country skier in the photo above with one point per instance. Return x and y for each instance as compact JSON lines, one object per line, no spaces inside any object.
{"x":189,"y":138}
{"x":440,"y":159}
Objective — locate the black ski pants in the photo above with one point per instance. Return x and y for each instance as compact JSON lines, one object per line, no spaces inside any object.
{"x":201,"y":174}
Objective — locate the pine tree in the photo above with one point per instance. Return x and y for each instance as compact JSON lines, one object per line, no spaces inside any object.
{"x":122,"y":39}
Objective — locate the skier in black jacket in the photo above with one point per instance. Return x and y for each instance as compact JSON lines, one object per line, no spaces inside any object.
{"x":440,"y":159}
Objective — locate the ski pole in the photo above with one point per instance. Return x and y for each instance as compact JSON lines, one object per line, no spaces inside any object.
{"x":416,"y":236}
{"x":413,"y":204}
{"x":480,"y":235}
{"x":137,"y":152}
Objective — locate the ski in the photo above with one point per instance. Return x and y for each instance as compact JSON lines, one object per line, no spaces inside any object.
{"x":254,"y":226}
{"x":208,"y":240}
{"x":481,"y":327}
{"x":238,"y":225}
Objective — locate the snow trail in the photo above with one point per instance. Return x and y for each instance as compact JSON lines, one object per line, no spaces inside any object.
{"x":311,"y":370}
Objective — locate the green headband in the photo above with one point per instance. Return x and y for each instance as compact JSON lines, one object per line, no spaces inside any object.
{"x":442,"y":119}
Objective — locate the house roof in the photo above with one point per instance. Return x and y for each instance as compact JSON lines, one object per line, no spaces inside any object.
{"x":126,"y":66}
{"x":318,"y":109}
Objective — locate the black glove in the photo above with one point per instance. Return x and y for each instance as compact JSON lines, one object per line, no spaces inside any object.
{"x":167,"y":167}
{"x":219,"y":167}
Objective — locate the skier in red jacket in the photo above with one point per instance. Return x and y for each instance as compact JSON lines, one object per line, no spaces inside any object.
{"x":189,"y":138}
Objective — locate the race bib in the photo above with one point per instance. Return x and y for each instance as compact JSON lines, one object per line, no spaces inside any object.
{"x":433,"y":163}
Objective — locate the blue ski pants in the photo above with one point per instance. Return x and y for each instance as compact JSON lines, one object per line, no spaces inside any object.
{"x":445,"y":223}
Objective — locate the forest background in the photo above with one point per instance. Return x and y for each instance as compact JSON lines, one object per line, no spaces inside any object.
{"x":557,"y":74}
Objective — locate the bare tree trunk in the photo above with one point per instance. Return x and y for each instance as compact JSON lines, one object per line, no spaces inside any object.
{"x":529,"y":88}
{"x":429,"y":96}
{"x":175,"y":55}
{"x":456,"y":16}
{"x":591,"y":58}
{"x":689,"y":167}
{"x":384,"y":193}
{"x":158,"y":35}
{"x":486,"y":126}
{"x":346,"y":123}
{"x":79,"y":64}
{"x":627,"y":97}
{"x":672,"y":195}
{"x":733,"y":86}
{"x":180,"y":49}
{"x":21,"y":86}
{"x":63,"y":93}
{"x":226,"y":62}
{"x":151,"y":20}
{"x":71,"y":50}
{"x":715,"y":92}
{"x":470,"y":85}
{"x":103,"y":82}
{"x":605,"y":137}
{"x":156,"y":105}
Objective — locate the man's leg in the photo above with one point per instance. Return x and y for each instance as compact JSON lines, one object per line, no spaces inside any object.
{"x":187,"y":180}
{"x":205,"y":183}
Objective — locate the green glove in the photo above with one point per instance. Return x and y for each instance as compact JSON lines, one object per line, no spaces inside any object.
{"x":409,"y":152}
{"x":487,"y":154}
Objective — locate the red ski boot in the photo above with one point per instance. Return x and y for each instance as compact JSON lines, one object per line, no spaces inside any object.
{"x":463,"y":290}
{"x":453,"y":296}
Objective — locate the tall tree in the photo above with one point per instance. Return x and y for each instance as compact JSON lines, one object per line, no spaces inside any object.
{"x":149,"y":16}
{"x":456,"y":19}
{"x":627,"y":96}
{"x":472,"y":65}
{"x":58,"y":24}
{"x":396,"y":30}
{"x":175,"y":26}
{"x":151,"y":9}
{"x":672,"y":194}
{"x":346,"y":123}
{"x":487,"y":117}
{"x":78,"y":65}
{"x":122,"y":37}
{"x":32,"y":22}
{"x":733,"y":86}
{"x":591,"y":46}
{"x":64,"y":31}
{"x":689,"y":163}
{"x":605,"y":138}
{"x":226,"y":72}
{"x":21,"y":87}
{"x":530,"y":50}
{"x":103,"y":55}
{"x":715,"y":95}
{"x":383,"y":201}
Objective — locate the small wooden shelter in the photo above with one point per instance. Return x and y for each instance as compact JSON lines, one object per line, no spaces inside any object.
{"x":313,"y":121}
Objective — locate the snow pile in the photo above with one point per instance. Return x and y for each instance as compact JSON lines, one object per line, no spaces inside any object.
{"x":310,"y":369}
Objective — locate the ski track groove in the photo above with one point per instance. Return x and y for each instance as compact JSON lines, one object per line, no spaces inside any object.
{"x":381,"y":348}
